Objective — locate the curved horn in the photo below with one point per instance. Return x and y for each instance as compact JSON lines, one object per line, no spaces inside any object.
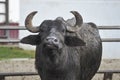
{"x":79,"y":22}
{"x":28,"y":23}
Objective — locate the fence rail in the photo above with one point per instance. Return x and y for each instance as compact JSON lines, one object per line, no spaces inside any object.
{"x":3,"y":75}
{"x":9,"y":40}
{"x":17,"y":40}
{"x":23,"y":28}
{"x":108,"y":27}
{"x":108,"y":74}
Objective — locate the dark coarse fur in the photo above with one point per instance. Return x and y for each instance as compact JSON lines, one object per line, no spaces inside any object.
{"x":71,"y":62}
{"x":75,"y":63}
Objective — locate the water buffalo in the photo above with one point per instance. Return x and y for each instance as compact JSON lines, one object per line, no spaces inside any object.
{"x":65,"y":49}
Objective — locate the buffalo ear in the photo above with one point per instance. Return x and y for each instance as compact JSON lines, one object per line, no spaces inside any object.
{"x":74,"y":41}
{"x":31,"y":39}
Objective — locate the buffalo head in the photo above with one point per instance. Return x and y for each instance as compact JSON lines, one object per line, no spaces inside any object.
{"x":53,"y":33}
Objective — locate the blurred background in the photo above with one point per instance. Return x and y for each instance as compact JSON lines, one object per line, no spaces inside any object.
{"x":101,"y":12}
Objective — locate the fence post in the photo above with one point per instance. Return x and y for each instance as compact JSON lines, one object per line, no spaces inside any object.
{"x":2,"y":77}
{"x":107,"y":76}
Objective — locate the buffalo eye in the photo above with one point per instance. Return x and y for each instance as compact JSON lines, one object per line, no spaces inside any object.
{"x":63,"y":30}
{"x":43,"y":29}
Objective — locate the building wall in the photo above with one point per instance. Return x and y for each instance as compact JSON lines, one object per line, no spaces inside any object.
{"x":13,"y":11}
{"x":13,"y":19}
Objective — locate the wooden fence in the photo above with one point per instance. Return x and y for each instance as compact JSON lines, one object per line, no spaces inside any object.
{"x":108,"y":74}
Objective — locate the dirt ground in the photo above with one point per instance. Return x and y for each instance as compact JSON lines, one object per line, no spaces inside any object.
{"x":18,"y":65}
{"x":109,"y":64}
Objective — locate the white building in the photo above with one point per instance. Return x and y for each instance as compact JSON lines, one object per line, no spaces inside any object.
{"x":101,"y":12}
{"x":14,"y":8}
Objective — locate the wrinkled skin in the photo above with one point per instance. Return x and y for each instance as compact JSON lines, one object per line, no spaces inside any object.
{"x":63,"y":55}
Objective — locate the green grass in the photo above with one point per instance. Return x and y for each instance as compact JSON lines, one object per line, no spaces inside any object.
{"x":15,"y":52}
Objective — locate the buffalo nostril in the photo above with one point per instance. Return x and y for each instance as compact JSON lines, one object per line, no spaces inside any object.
{"x":51,"y":40}
{"x":47,"y":39}
{"x":55,"y":40}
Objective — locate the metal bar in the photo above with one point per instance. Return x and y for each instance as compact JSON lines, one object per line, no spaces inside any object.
{"x":2,"y":13}
{"x":108,"y":71}
{"x":2,"y":2}
{"x":35,"y":73}
{"x":6,"y":27}
{"x":9,"y":40}
{"x":107,"y":76}
{"x":109,"y":27}
{"x":110,"y":39}
{"x":12,"y":28}
{"x":7,"y":11}
{"x":17,"y":40}
{"x":19,"y":74}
